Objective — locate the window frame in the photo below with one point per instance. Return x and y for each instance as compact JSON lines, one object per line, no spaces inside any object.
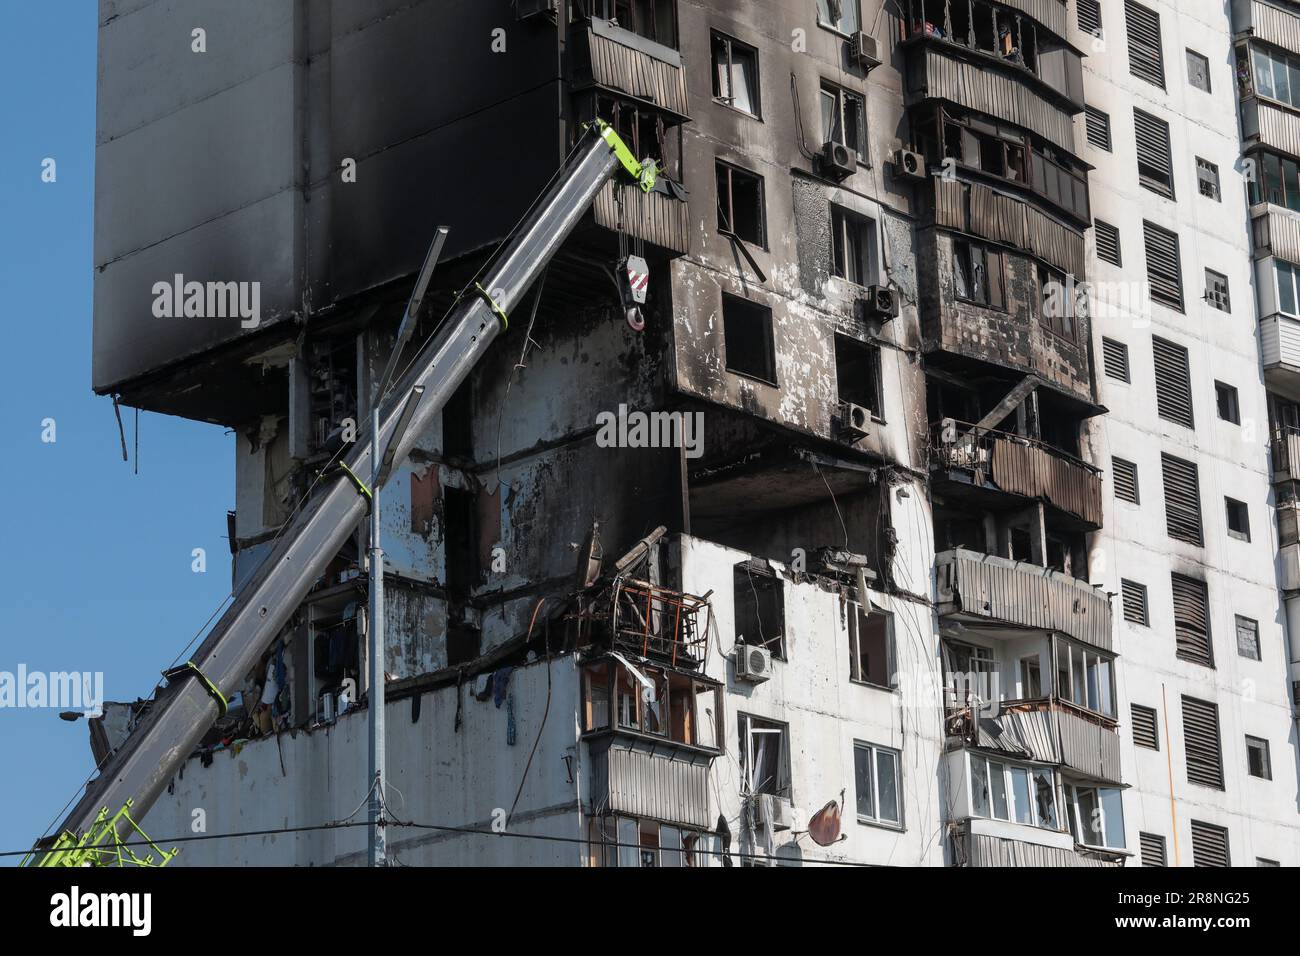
{"x":1257,"y":652}
{"x":1091,"y":692}
{"x":1259,"y":745}
{"x":854,"y":612}
{"x":730,"y":43}
{"x":985,"y":250}
{"x":835,"y":27}
{"x":1233,"y":506}
{"x":730,"y":230}
{"x":1072,"y":791}
{"x":844,"y":223}
{"x":764,"y":312}
{"x":745,"y":729}
{"x":1223,"y":392}
{"x":1008,"y":768}
{"x":873,"y":753}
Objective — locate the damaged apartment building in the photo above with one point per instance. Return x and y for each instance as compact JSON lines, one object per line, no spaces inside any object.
{"x":863,"y":616}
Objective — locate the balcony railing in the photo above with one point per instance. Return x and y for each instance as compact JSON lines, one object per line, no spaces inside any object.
{"x":984,"y":587}
{"x":1046,"y":730}
{"x":1021,"y":466}
{"x":973,"y":848}
{"x":623,"y":62}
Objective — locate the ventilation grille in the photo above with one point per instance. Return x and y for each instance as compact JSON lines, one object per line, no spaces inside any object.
{"x":1125,"y":475}
{"x":1115,"y":357}
{"x":1201,"y":739}
{"x":1153,"y":849}
{"x":1108,"y":243}
{"x":1192,"y":621}
{"x":1155,"y":165}
{"x":1098,"y":127}
{"x":1135,"y":602}
{"x":1173,"y":382}
{"x":1146,"y":60}
{"x":1090,"y":16}
{"x":1209,"y":845}
{"x":1146,"y":732}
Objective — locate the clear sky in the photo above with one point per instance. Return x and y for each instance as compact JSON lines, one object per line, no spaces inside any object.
{"x":95,"y":560}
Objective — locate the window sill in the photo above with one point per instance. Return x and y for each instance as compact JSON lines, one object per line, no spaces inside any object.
{"x":1239,"y":536}
{"x":752,"y":378}
{"x":757,"y":117}
{"x":881,"y":824}
{"x":874,"y":686}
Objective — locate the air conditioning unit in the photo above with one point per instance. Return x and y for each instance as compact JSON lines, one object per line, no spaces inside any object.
{"x":909,"y":165}
{"x":880,"y":302}
{"x":776,"y":811}
{"x":855,"y":421}
{"x":838,"y":160}
{"x":753,"y":664}
{"x":862,"y":47}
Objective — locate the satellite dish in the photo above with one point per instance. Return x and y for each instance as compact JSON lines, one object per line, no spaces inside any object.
{"x":824,"y":827}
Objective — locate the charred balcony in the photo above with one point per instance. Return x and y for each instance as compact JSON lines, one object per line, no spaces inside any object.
{"x":989,"y":591}
{"x":991,"y":465}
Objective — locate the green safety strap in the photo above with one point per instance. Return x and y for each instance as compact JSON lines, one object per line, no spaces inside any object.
{"x":189,"y":667}
{"x":361,"y":485}
{"x":643,"y":173}
{"x":492,"y":304}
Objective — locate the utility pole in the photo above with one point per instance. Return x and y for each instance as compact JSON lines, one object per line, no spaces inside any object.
{"x":380,"y":466}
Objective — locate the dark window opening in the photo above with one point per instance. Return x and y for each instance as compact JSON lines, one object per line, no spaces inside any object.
{"x":759,"y":602}
{"x":853,"y":246}
{"x":457,"y":422}
{"x":844,"y":118}
{"x":460,"y":544}
{"x":1226,"y":398}
{"x":978,"y":274}
{"x":857,"y":374}
{"x":464,"y":644}
{"x":740,"y":205}
{"x":1238,"y":518}
{"x":764,"y":756}
{"x":1257,"y":758}
{"x":747,"y":339}
{"x":871,"y":646}
{"x":1061,"y":303}
{"x":653,"y":19}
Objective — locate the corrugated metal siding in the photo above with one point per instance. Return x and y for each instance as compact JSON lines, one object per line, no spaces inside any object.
{"x":1278,"y":127}
{"x":1050,"y":13}
{"x":1274,"y":25}
{"x":985,"y":850}
{"x":1280,"y":342}
{"x":1034,"y":472}
{"x":656,"y":218}
{"x":1005,"y":219}
{"x":617,"y":67}
{"x":1026,"y":595}
{"x":1088,"y":747}
{"x":1279,"y":232}
{"x":1024,"y":733}
{"x":945,"y":77}
{"x":627,"y":779}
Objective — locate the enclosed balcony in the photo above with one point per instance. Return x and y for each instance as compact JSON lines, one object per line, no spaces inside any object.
{"x":998,"y":464}
{"x":983,"y":589}
{"x":986,"y":843}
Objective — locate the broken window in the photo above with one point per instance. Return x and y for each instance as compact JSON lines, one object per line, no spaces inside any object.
{"x":1238,"y":518}
{"x":331,"y":391}
{"x":977,"y":272}
{"x":844,"y":118}
{"x":457,"y":422}
{"x":853,"y":246}
{"x":747,"y":339}
{"x":1155,"y":165}
{"x":877,"y":784}
{"x":735,"y":74}
{"x":642,"y":129}
{"x":1085,"y":677}
{"x":1257,"y":758}
{"x":740,"y":205}
{"x":1016,"y":794}
{"x":1060,"y":303}
{"x":1247,"y":637}
{"x":629,"y":842}
{"x":650,"y":700}
{"x":759,"y":606}
{"x":840,"y":15}
{"x":1031,"y":677}
{"x":1096,"y":816}
{"x":764,"y":756}
{"x":1225,"y":397}
{"x":871,"y":646}
{"x":857,"y":374}
{"x":971,"y":678}
{"x":653,"y":19}
{"x":595,"y":696}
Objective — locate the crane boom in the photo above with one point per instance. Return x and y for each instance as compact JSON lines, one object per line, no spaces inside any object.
{"x":194,"y":698}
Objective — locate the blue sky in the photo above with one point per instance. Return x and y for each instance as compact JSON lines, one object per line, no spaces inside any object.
{"x":95,"y":560}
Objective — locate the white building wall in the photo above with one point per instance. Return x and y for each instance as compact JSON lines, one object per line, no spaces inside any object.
{"x":1232,"y":460}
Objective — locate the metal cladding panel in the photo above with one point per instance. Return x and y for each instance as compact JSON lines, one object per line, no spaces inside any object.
{"x":629,"y":778}
{"x":654,"y":217}
{"x":987,"y":91}
{"x":1282,"y":235}
{"x":985,"y":850}
{"x":1025,"y":733}
{"x":616,"y":65}
{"x":1277,"y":127}
{"x":1273,"y":25}
{"x":1026,"y":595}
{"x":1286,"y":454}
{"x":1088,"y":747}
{"x":1006,"y":219}
{"x":1034,"y":472}
{"x":1050,"y":13}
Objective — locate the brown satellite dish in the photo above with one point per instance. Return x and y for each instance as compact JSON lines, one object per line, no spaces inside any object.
{"x":824,"y":827}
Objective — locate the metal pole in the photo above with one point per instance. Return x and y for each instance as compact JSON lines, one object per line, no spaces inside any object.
{"x":375,"y":620}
